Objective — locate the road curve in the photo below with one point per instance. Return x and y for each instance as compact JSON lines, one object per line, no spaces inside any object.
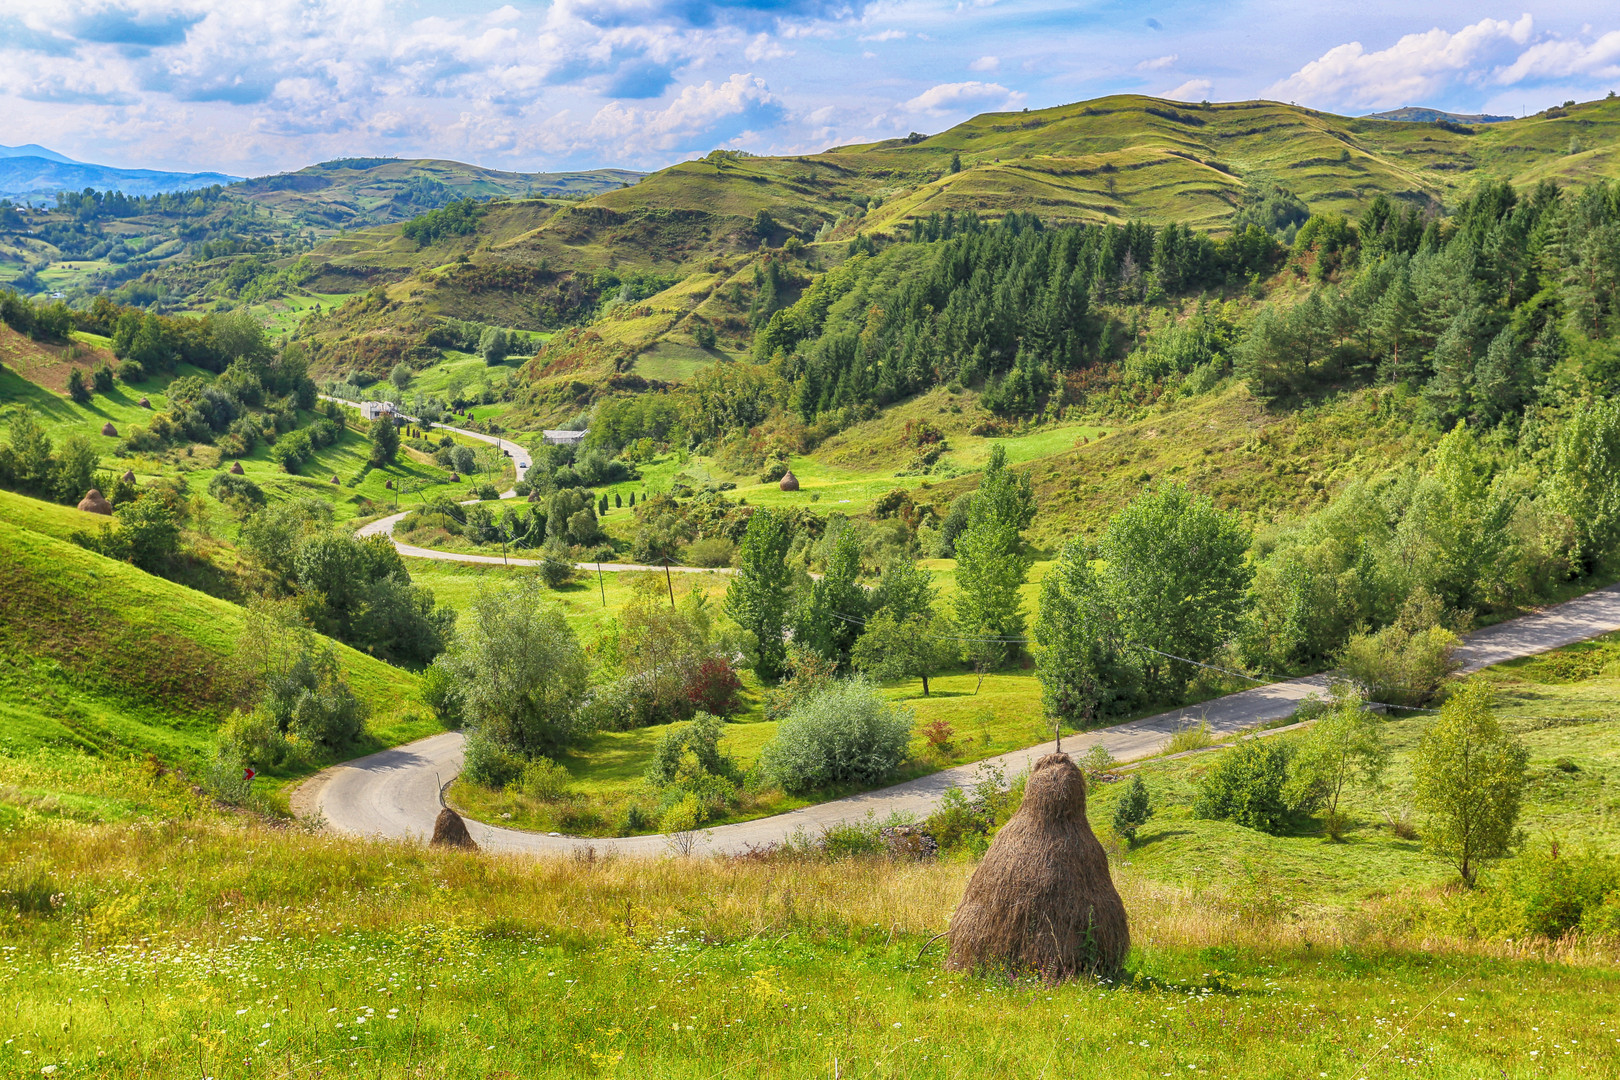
{"x":520,"y":456}
{"x":521,"y":462}
{"x":395,"y":793}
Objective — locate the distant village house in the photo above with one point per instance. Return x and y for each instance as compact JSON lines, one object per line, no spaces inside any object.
{"x":565,"y":438}
{"x":370,"y":410}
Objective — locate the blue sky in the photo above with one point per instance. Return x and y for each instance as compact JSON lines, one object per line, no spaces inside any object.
{"x":255,"y":86}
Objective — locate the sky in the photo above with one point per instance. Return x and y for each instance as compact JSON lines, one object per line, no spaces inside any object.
{"x":259,"y":86}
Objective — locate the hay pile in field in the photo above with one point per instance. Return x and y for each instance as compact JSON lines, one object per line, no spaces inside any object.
{"x":145,"y":403}
{"x":108,"y":430}
{"x":450,"y":831}
{"x":455,"y":478}
{"x":128,"y":477}
{"x":789,"y":482}
{"x":1042,"y":900}
{"x":335,"y":480}
{"x":95,"y":503}
{"x":236,"y":468}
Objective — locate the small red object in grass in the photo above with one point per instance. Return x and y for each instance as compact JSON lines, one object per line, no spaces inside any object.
{"x":248,"y":774}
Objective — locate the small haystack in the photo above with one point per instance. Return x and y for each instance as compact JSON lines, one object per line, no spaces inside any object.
{"x":455,"y":478}
{"x":1042,"y":899}
{"x":450,"y":831}
{"x":236,"y":468}
{"x":108,"y":430}
{"x":128,"y":477}
{"x":95,"y":503}
{"x":335,"y":480}
{"x":389,"y":484}
{"x":145,"y":403}
{"x":789,"y":482}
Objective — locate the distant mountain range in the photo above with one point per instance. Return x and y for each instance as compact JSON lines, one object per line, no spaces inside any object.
{"x":1414,"y":115}
{"x":34,"y":172}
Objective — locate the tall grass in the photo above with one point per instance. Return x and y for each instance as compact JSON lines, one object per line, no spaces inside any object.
{"x":224,"y":949}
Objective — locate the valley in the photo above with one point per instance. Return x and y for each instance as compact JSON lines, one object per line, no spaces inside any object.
{"x":722,"y":546}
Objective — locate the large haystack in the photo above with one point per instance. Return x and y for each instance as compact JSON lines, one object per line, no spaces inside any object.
{"x":145,"y":403}
{"x":95,"y":503}
{"x":1042,"y":899}
{"x":789,"y":482}
{"x":128,"y":477}
{"x":236,"y":468}
{"x":450,"y":831}
{"x":455,"y":478}
{"x":108,"y":430}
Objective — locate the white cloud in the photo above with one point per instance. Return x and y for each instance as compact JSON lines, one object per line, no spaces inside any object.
{"x":985,"y":63}
{"x":1158,"y":63}
{"x":1564,"y":59}
{"x":763,"y":47}
{"x":1191,"y":90}
{"x":959,"y":96}
{"x":736,"y":105}
{"x":1416,"y":67}
{"x":884,"y":35}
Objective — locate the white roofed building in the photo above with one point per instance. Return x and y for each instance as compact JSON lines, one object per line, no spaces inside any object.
{"x":565,"y":438}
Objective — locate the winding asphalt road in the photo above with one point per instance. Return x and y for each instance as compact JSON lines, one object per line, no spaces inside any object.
{"x":520,"y":462}
{"x":395,"y":793}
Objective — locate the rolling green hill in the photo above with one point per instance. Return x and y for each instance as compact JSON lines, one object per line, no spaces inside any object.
{"x":1113,"y":159}
{"x":353,"y":192}
{"x":98,"y":656}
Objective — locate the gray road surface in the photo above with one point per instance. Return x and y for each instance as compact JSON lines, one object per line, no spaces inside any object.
{"x":396,"y":793}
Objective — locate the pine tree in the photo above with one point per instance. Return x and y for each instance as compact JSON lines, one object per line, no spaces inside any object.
{"x":1133,"y":810}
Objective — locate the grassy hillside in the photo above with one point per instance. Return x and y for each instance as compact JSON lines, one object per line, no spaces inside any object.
{"x":359,"y":191}
{"x":97,"y":656}
{"x":1113,"y":159}
{"x":1252,"y":955}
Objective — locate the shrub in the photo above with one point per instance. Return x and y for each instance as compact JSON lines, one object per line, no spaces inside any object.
{"x":700,"y":738}
{"x":715,"y":687}
{"x":131,"y":371}
{"x":439,"y":692}
{"x":486,"y":491}
{"x":1133,"y":810}
{"x":1245,"y":786}
{"x":489,"y":763}
{"x":1095,"y":762}
{"x":1542,"y":892}
{"x":939,"y":735}
{"x":228,"y":487}
{"x":711,"y":551}
{"x":846,"y":733}
{"x":958,"y":825}
{"x":253,"y":738}
{"x":683,"y":818}
{"x":224,"y":777}
{"x":78,"y":386}
{"x":1407,"y":662}
{"x":102,"y":379}
{"x":546,"y":780}
{"x":1400,"y":666}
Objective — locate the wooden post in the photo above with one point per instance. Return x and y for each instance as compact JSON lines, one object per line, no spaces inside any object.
{"x":670,"y":582}
{"x":599,"y":585}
